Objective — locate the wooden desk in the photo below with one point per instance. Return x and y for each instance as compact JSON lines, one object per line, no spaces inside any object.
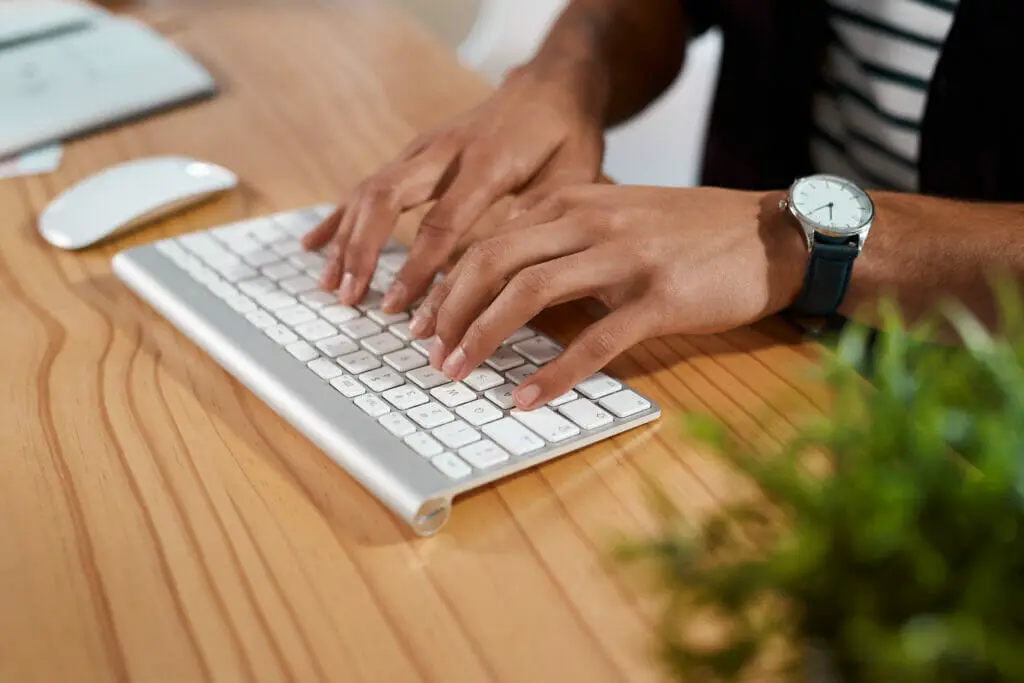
{"x":160,"y":524}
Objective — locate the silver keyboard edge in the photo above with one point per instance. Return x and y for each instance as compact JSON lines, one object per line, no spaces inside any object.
{"x":365,"y":450}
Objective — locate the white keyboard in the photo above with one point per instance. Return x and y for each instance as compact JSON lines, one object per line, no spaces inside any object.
{"x":351,"y":378}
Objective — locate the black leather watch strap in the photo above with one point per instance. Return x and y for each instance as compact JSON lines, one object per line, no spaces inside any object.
{"x":828,"y":276}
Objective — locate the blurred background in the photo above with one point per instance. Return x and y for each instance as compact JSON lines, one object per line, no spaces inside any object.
{"x":661,"y":147}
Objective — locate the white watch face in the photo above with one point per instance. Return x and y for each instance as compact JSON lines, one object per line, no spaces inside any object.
{"x":832,"y":204}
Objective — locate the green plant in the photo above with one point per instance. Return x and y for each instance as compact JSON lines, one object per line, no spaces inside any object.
{"x":904,"y":561}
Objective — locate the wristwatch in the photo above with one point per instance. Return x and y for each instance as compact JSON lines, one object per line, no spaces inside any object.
{"x":835,"y":216}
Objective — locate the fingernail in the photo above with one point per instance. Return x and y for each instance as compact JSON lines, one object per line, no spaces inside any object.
{"x":393,"y":300}
{"x":453,"y":364}
{"x":437,"y":354}
{"x":526,"y":397}
{"x":420,"y":319}
{"x":347,"y":291}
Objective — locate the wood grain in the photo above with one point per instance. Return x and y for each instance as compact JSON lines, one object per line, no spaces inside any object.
{"x":162,"y":525}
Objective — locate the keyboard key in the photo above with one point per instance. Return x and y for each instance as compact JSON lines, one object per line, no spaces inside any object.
{"x":260,"y":258}
{"x":397,"y":424}
{"x":318,"y":300}
{"x":338,"y":314}
{"x":348,"y":386}
{"x":383,"y":318}
{"x":456,"y":434}
{"x":257,"y":286}
{"x":222,"y":290}
{"x":564,"y":398}
{"x":519,"y":335}
{"x":546,"y":422}
{"x":501,"y":396}
{"x":280,"y":271}
{"x":381,"y":379}
{"x":519,"y":375}
{"x":315,"y":330}
{"x":241,"y":303}
{"x":393,"y":261}
{"x":382,"y":343}
{"x":274,"y":301}
{"x":405,"y":360}
{"x":199,"y":242}
{"x":295,"y":315}
{"x":360,"y":328}
{"x":237,"y":272}
{"x":372,"y":405}
{"x":586,"y":414}
{"x":450,"y":465}
{"x":265,"y":231}
{"x":370,"y":301}
{"x":324,"y":368}
{"x":401,"y":330}
{"x":169,"y":248}
{"x":307,"y":259}
{"x":423,"y":346}
{"x":298,"y":285}
{"x":513,"y":436}
{"x":596,"y":386}
{"x":339,"y":345}
{"x":483,"y":454}
{"x":241,"y":243}
{"x":427,"y":377}
{"x":405,"y":397}
{"x":624,"y":403}
{"x":302,"y":351}
{"x":454,"y":394}
{"x":483,"y":379}
{"x":281,"y":334}
{"x":287,"y":248}
{"x":539,"y":349}
{"x":424,"y":444}
{"x":359,"y":362}
{"x":479,"y":412}
{"x":261,"y":319}
{"x":430,"y":415}
{"x":505,"y":359}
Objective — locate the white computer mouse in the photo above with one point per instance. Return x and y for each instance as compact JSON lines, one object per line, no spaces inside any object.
{"x":126,"y":196}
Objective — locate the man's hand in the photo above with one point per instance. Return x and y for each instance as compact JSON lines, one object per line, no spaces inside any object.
{"x":663,"y":260}
{"x":528,"y":139}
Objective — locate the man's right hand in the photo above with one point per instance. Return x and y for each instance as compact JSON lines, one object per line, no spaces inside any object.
{"x":528,"y":139}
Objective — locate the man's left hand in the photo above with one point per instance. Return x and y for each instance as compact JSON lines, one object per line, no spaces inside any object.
{"x":663,"y":260}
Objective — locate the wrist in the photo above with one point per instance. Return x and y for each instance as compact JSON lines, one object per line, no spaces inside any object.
{"x":788,"y":251}
{"x":576,"y":83}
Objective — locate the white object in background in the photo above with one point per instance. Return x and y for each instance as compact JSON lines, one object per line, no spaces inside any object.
{"x":54,"y":86}
{"x":126,"y":196}
{"x":663,"y":145}
{"x":22,"y":20}
{"x":34,"y":162}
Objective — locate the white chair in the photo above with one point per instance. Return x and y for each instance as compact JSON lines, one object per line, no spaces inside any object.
{"x":662,"y":146}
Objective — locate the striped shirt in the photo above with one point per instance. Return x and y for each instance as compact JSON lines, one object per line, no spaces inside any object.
{"x":868,"y":114}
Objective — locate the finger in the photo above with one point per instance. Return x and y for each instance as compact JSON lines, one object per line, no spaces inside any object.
{"x":424,"y":319}
{"x":322,"y":233}
{"x":489,"y":265}
{"x":371,"y":215}
{"x":334,"y":257}
{"x":597,"y":346}
{"x":527,"y":294}
{"x":483,"y":178}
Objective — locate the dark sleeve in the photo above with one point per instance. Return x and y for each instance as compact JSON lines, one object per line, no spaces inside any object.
{"x":700,"y":15}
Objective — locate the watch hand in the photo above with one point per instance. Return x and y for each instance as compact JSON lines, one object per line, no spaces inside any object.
{"x":830,"y":210}
{"x":823,"y":206}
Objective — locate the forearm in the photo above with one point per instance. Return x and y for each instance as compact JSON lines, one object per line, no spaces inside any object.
{"x":616,"y":56}
{"x":922,"y":250}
